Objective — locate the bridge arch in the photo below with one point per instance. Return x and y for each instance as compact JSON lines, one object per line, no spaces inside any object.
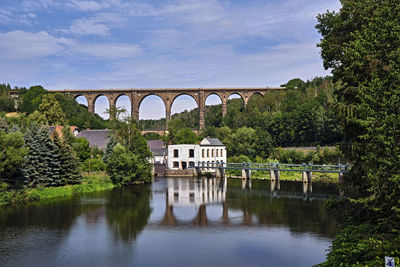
{"x":187,"y":101}
{"x":124,"y":101}
{"x":152,"y":107}
{"x":100,"y":103}
{"x":81,"y":99}
{"x":215,"y":112}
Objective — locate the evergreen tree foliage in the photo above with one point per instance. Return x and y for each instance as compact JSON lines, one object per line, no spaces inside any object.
{"x":361,"y":45}
{"x":69,"y":162}
{"x":112,"y":142}
{"x":41,"y":165}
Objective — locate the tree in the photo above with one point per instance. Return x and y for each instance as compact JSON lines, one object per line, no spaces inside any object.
{"x":41,"y":166}
{"x":263,"y":144}
{"x":82,"y":148}
{"x":361,"y":45}
{"x":49,"y":111}
{"x":31,"y":99}
{"x":6,"y":101}
{"x":12,"y":153}
{"x":112,"y":142}
{"x":129,"y":160}
{"x":69,"y":162}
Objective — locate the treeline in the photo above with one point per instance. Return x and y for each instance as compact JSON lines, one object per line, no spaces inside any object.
{"x":301,"y":115}
{"x":30,"y":99}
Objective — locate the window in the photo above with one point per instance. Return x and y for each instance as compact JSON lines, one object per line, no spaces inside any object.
{"x":191,"y":163}
{"x":191,"y":153}
{"x":222,"y":152}
{"x":208,"y":164}
{"x":175,"y":164}
{"x":202,"y":153}
{"x":212,"y":164}
{"x":176,"y":153}
{"x":212,"y":152}
{"x":208,"y":153}
{"x":216,"y":151}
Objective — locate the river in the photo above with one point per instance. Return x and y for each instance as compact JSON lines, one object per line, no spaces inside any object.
{"x":174,"y":222}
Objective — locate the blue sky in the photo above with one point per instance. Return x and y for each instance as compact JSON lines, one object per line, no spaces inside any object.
{"x":156,"y":44}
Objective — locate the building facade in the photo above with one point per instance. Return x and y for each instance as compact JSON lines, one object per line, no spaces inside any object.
{"x":209,"y":152}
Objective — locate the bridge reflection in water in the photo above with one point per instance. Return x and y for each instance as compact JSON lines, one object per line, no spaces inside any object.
{"x":243,"y":201}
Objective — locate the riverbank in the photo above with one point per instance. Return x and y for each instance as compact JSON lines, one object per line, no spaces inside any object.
{"x":92,"y":182}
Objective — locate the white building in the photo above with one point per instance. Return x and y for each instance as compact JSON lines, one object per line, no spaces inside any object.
{"x":210,"y":151}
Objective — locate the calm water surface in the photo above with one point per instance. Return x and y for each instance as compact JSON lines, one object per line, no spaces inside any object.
{"x":174,"y":222}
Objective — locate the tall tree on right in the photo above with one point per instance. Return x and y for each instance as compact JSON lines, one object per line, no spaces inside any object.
{"x":361,"y":44}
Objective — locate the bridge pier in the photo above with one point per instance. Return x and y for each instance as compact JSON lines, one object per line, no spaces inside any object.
{"x":306,"y":176}
{"x":275,"y":175}
{"x":224,"y":107}
{"x":246,"y":174}
{"x":220,"y":171}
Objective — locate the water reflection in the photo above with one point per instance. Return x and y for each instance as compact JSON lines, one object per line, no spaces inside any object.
{"x":185,"y":219}
{"x":128,"y":211}
{"x":265,"y":203}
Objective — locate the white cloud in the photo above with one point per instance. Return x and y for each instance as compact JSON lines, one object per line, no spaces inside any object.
{"x":88,"y":5}
{"x":105,"y":50}
{"x":21,"y":45}
{"x":26,"y":45}
{"x":88,"y":27}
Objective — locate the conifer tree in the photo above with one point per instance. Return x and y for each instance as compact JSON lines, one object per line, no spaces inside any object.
{"x":42,"y":164}
{"x":112,"y":142}
{"x":69,"y":162}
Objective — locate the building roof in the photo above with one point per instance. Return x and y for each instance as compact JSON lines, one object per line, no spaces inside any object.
{"x":208,"y":141}
{"x":155,"y":144}
{"x":96,"y":138}
{"x":160,"y":152}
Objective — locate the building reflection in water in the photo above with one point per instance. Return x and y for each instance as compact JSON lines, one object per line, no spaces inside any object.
{"x":195,"y":193}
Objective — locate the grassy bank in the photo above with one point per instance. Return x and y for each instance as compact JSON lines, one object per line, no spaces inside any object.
{"x":92,"y":182}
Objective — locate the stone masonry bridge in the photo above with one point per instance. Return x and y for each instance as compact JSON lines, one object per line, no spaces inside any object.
{"x":168,"y":95}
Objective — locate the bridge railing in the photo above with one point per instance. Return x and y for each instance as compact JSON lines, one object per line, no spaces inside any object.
{"x":275,"y":166}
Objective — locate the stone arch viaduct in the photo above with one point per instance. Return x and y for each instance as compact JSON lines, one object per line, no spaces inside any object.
{"x":168,"y":95}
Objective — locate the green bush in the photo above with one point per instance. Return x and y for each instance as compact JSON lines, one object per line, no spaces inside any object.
{"x":93,"y":165}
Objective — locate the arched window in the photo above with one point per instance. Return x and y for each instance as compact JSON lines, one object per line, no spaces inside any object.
{"x":222,"y":152}
{"x":216,"y":151}
{"x":212,"y":152}
{"x":202,"y":153}
{"x":208,"y":153}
